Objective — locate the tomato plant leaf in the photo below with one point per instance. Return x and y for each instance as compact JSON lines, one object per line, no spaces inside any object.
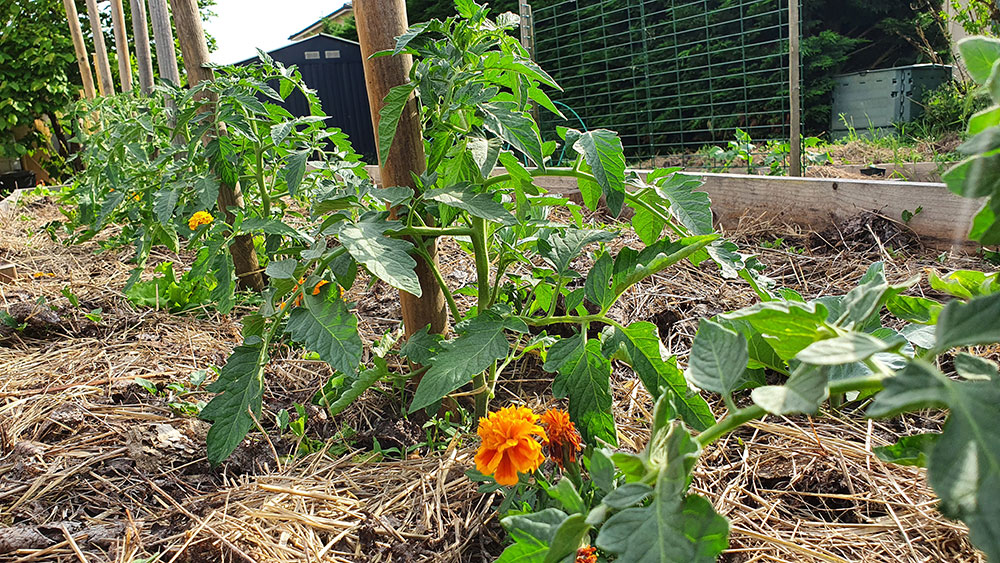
{"x":718,"y":358}
{"x":803,"y":393}
{"x":690,"y":208}
{"x":478,"y":205}
{"x":602,"y":149}
{"x":295,"y":170}
{"x":386,"y":258}
{"x":851,"y":347}
{"x":392,"y":109}
{"x":583,"y":375}
{"x":788,"y":327}
{"x":597,"y":286}
{"x":969,"y":324}
{"x":240,"y":384}
{"x":514,"y":126}
{"x":325,"y":326}
{"x":365,"y":379}
{"x":559,"y":249}
{"x":908,"y":450}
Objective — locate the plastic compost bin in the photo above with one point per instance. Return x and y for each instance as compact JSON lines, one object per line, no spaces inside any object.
{"x":876,"y":100}
{"x":14,"y":180}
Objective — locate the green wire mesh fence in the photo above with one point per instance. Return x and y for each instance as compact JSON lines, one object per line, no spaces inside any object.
{"x":670,"y":76}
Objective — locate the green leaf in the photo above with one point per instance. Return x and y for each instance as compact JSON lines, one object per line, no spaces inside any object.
{"x":691,"y":208}
{"x":365,"y":380}
{"x":476,"y":204}
{"x":225,"y":275}
{"x":421,"y":347}
{"x":983,"y":120}
{"x":392,"y":108}
{"x":481,"y":342}
{"x":282,"y":269}
{"x":484,"y":153}
{"x":787,"y":326}
{"x":597,"y":287}
{"x":803,"y":393}
{"x":415,"y":30}
{"x":674,"y":528}
{"x":975,"y":368}
{"x":324,"y":325}
{"x":969,"y":324}
{"x":387,"y":258}
{"x":602,"y":149}
{"x":164,"y":203}
{"x":654,"y":259}
{"x":584,"y":376}
{"x":846,"y":349}
{"x":718,"y":358}
{"x":295,"y":170}
{"x":568,"y":537}
{"x":916,"y":386}
{"x":532,"y":534}
{"x":908,"y":450}
{"x":241,"y":384}
{"x":560,"y":249}
{"x":965,"y":284}
{"x":643,"y":351}
{"x":914,"y":309}
{"x":629,"y":494}
{"x":979,"y":55}
{"x":514,"y":126}
{"x":567,"y":495}
{"x":256,"y":225}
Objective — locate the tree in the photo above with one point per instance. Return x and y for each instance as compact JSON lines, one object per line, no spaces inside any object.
{"x":36,"y":57}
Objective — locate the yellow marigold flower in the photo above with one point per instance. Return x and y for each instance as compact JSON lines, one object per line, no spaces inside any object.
{"x":586,"y":554}
{"x":138,"y":197}
{"x":318,"y":286}
{"x":508,"y":446}
{"x":562,"y":441}
{"x":200,"y":218}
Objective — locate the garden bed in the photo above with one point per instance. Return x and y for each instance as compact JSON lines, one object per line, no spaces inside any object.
{"x":96,"y":467}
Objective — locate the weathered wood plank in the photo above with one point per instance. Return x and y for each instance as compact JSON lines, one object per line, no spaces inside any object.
{"x":818,"y":203}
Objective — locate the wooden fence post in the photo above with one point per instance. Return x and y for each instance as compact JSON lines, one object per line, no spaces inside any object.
{"x":794,"y":90}
{"x":163,"y":35}
{"x":121,"y":45}
{"x":82,"y":59}
{"x":379,"y":23}
{"x":104,"y":80}
{"x":191,"y":36}
{"x":143,"y":57}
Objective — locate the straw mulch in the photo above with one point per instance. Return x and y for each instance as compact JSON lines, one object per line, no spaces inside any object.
{"x":95,"y":468}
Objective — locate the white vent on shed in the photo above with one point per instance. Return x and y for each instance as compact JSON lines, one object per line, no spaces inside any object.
{"x":332,"y":54}
{"x":312,"y":55}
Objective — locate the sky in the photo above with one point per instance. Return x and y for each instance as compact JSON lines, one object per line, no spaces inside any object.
{"x":241,"y":26}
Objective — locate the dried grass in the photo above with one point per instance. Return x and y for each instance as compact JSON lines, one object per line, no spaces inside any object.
{"x":93,"y":468}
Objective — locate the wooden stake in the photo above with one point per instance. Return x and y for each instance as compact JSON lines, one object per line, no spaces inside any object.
{"x":121,"y":45}
{"x":142,"y":54}
{"x":379,"y":23}
{"x":104,"y":80}
{"x":163,"y":35}
{"x":794,"y":90}
{"x":100,"y":83}
{"x":195,"y":51}
{"x":82,"y":59}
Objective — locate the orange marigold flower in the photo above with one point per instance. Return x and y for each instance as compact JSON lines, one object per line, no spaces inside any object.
{"x":198,"y":219}
{"x":562,"y":441}
{"x":318,"y":286}
{"x":586,"y":554}
{"x":508,"y":445}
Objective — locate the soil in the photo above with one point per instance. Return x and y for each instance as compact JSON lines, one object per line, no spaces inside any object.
{"x":95,"y":467}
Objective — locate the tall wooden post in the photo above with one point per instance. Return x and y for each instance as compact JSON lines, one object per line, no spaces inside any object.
{"x":140,"y":33}
{"x":379,"y":23}
{"x":794,"y":90}
{"x":100,"y":50}
{"x":163,"y":35}
{"x":121,"y":45}
{"x":82,"y":59}
{"x":195,"y":51}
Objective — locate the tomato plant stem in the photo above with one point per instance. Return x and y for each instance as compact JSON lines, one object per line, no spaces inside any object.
{"x":482,"y":255}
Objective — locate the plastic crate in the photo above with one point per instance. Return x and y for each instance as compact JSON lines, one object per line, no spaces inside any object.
{"x":879,"y":99}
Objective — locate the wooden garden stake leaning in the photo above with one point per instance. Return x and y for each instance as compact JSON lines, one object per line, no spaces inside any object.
{"x":81,"y":50}
{"x":379,"y":23}
{"x":142,"y":54}
{"x":107,"y":86}
{"x":121,"y":45}
{"x":195,"y":51}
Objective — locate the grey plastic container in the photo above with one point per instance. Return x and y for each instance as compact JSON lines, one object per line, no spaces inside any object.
{"x":879,"y":99}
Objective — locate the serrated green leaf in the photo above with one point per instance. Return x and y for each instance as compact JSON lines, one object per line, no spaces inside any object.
{"x":481,"y":341}
{"x":414,"y":30}
{"x":597,"y":286}
{"x":846,"y":349}
{"x":295,"y":169}
{"x":225,"y":275}
{"x":324,"y":325}
{"x":476,"y":204}
{"x":484,"y":153}
{"x":690,"y":208}
{"x":281,"y":130}
{"x":387,"y":258}
{"x":788,"y":327}
{"x":282,"y":269}
{"x":908,"y":450}
{"x":584,"y":375}
{"x":602,"y":149}
{"x":241,"y":385}
{"x":559,"y":249}
{"x":654,"y":259}
{"x":164,"y":203}
{"x":364,"y":381}
{"x":718,"y":358}
{"x":421,"y":347}
{"x":914,"y":309}
{"x":803,"y":393}
{"x":516,"y":127}
{"x":393,"y":104}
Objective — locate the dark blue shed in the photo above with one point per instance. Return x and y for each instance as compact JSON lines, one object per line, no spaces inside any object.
{"x":333,"y":67}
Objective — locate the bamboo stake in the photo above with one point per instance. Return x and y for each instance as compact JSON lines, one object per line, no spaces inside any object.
{"x":121,"y":45}
{"x":81,"y":50}
{"x":163,"y":35}
{"x":142,"y":55}
{"x":195,"y":51}
{"x":107,"y":86}
{"x":379,"y":23}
